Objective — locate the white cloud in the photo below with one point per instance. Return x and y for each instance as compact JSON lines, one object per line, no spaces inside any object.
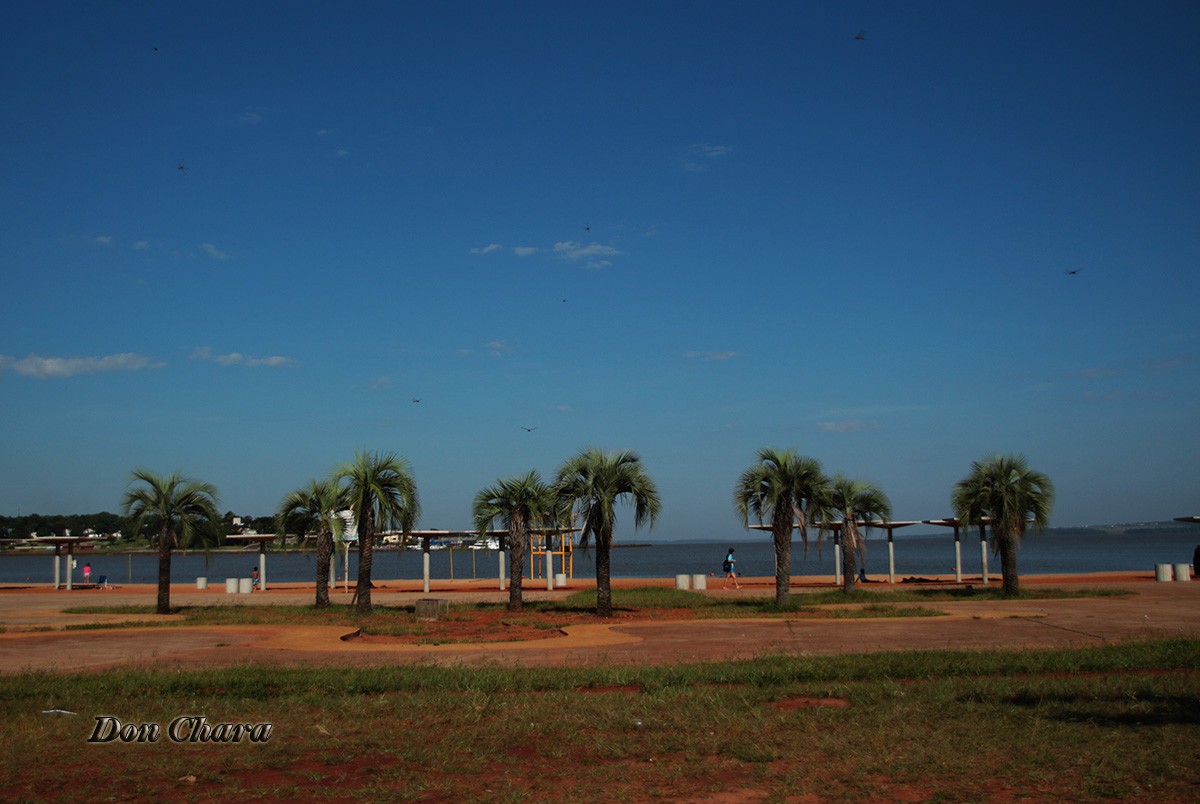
{"x":141,"y":245}
{"x":726,"y":355}
{"x":239,"y":359}
{"x":58,"y":367}
{"x":102,"y":240}
{"x":848,"y":426}
{"x":322,"y":132}
{"x":488,"y":249}
{"x":498,"y":348}
{"x":340,"y":152}
{"x":701,"y":151}
{"x":250,"y":118}
{"x":710,"y":151}
{"x":213,"y":251}
{"x":573,"y":250}
{"x":525,"y":251}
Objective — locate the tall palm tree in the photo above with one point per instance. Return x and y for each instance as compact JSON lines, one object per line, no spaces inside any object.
{"x":518,"y":504}
{"x":382,"y":494}
{"x":177,"y":510}
{"x":313,"y":509}
{"x":791,"y":491}
{"x":854,"y":499}
{"x":1005,"y":489}
{"x":595,"y":481}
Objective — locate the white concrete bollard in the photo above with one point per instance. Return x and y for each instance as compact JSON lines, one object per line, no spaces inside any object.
{"x":699,"y":581}
{"x":560,"y":579}
{"x":1162,"y":572}
{"x":231,"y":586}
{"x":1183,"y":572}
{"x":245,"y":585}
{"x":683,"y":581}
{"x":202,"y":582}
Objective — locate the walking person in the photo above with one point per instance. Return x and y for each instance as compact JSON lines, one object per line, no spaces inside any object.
{"x":730,"y":568}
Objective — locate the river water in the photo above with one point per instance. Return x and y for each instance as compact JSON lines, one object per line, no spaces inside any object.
{"x":915,"y":556}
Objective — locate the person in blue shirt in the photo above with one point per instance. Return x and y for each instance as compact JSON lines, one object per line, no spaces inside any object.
{"x":730,"y":568}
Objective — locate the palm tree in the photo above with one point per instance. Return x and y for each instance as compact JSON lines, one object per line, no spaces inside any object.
{"x":791,"y":491}
{"x":177,"y":510}
{"x":594,"y":480}
{"x":313,"y":509}
{"x":854,"y":499}
{"x":518,"y":504}
{"x":1013,"y":496}
{"x":382,"y":495}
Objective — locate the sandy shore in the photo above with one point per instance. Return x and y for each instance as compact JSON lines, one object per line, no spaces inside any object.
{"x":38,"y":634}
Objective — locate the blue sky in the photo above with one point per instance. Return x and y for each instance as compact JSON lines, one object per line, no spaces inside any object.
{"x":241,"y":239}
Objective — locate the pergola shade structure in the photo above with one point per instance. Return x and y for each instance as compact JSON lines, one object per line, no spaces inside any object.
{"x":59,"y":542}
{"x":952,"y":522}
{"x":890,"y":527}
{"x":426,"y":536}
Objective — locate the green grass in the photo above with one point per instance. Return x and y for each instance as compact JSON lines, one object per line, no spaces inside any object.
{"x":1088,"y":724}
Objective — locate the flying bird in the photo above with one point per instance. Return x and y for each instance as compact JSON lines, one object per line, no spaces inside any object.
{"x":861,"y":36}
{"x":1070,"y":272}
{"x":587,"y":228}
{"x":182,"y":168}
{"x":415,"y":400}
{"x":528,"y":429}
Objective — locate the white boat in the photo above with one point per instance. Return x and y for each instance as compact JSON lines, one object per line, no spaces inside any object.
{"x":490,"y":543}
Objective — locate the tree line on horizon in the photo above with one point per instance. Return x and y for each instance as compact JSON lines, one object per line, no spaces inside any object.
{"x":788,"y":490}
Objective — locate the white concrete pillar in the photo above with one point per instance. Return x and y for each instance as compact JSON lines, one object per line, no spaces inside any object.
{"x":957,"y":558}
{"x":683,"y":581}
{"x":502,"y":557}
{"x":549,"y":564}
{"x":891,"y":559}
{"x":983,"y":554}
{"x":425,"y":561}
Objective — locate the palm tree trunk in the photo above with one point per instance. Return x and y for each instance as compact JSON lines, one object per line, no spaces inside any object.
{"x":324,"y":553}
{"x":1007,"y":543}
{"x":781,"y":532}
{"x":164,"y":572}
{"x":849,"y":557}
{"x":366,"y":552}
{"x":603,"y":578}
{"x":516,"y":563}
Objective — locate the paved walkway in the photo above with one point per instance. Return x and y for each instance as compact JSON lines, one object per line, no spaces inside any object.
{"x":1151,"y":610}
